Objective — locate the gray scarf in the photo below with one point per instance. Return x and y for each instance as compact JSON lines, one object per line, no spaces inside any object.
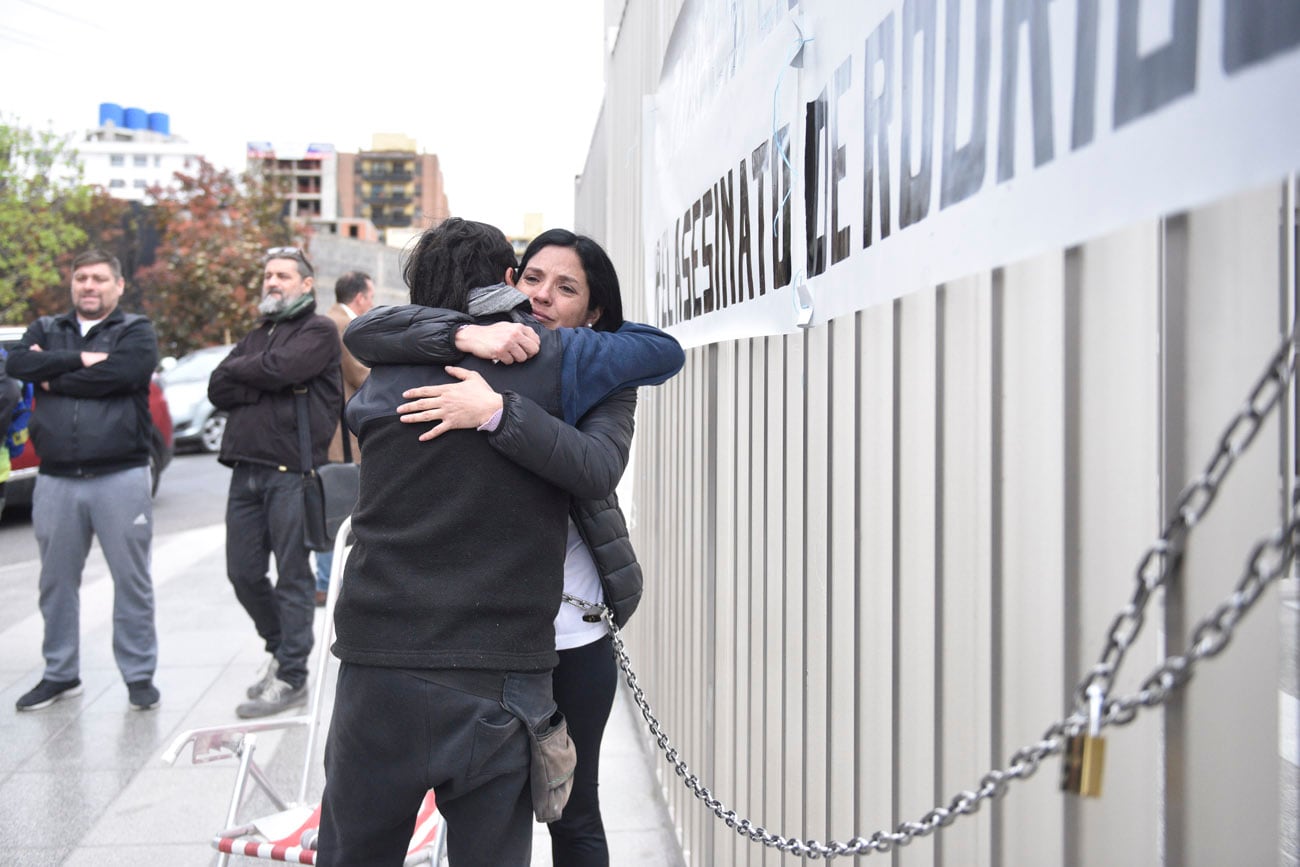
{"x":500,"y":298}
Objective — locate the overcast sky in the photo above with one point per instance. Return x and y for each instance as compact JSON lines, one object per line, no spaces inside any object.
{"x":506,"y":92}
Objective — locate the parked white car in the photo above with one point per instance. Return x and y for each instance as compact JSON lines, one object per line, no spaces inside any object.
{"x":195,"y":421}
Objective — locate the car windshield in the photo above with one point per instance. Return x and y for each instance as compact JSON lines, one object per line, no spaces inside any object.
{"x":197,"y":365}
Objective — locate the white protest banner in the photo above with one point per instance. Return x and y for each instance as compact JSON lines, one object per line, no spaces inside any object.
{"x":809,"y":159}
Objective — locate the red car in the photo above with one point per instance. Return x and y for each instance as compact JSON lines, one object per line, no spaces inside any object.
{"x":22,"y":479}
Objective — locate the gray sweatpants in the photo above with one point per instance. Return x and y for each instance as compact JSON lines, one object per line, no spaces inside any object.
{"x":66,"y":513}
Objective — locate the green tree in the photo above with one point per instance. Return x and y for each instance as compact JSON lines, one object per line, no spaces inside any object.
{"x":109,"y":224}
{"x":42,"y":200}
{"x":203,"y":286}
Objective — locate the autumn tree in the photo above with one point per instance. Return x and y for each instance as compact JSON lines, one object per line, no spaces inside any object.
{"x":203,"y":285}
{"x":128,"y":230}
{"x":122,"y":228}
{"x":42,"y":200}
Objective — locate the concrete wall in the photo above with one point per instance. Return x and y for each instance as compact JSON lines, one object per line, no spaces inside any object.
{"x":333,"y":256}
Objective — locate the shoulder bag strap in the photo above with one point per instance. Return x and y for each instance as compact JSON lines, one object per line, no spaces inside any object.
{"x":304,"y":428}
{"x":345,"y":434}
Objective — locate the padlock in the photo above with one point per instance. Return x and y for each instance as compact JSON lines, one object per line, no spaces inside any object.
{"x":1092,"y":762}
{"x":1072,"y":765}
{"x":1084,"y":757}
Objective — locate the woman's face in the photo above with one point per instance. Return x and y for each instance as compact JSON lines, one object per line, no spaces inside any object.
{"x":557,"y":284}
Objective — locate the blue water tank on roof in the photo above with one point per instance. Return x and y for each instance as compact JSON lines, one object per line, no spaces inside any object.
{"x":137,"y":118}
{"x":110,"y":112}
{"x":159,"y":122}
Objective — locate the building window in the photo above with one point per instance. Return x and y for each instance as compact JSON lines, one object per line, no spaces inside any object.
{"x":157,"y":161}
{"x":116,"y":183}
{"x":140,"y":184}
{"x":140,"y":160}
{"x":116,"y":160}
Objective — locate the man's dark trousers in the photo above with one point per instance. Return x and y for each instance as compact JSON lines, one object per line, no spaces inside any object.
{"x":418,"y":735}
{"x":264,"y":515}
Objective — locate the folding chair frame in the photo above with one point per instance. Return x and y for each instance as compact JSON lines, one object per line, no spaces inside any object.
{"x":239,"y":740}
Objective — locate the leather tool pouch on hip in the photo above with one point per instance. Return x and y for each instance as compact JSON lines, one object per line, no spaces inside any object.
{"x":553,"y":761}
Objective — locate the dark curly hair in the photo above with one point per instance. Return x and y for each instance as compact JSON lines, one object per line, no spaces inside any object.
{"x":454,"y":257}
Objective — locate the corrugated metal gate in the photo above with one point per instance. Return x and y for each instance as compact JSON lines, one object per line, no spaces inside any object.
{"x":880,"y":553}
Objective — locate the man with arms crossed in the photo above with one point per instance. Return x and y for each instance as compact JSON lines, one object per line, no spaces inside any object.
{"x":291,"y":350}
{"x":92,"y":427}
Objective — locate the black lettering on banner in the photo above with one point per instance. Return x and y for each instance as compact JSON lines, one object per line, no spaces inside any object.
{"x":695,"y":257}
{"x":706,"y":252}
{"x":815,"y":141}
{"x":1085,"y":75}
{"x":781,"y":202}
{"x":1144,"y":84}
{"x":877,"y":113}
{"x":758,"y":163}
{"x":718,"y":237}
{"x":962,"y":173}
{"x":745,"y":260}
{"x":725,"y":239}
{"x":676,"y":301}
{"x":1255,"y":30}
{"x":665,"y":262}
{"x":684,"y":267}
{"x":840,"y":238}
{"x":914,"y":187}
{"x":659,"y":284}
{"x":1034,"y":14}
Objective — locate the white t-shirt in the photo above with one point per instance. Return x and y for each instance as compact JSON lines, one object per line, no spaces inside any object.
{"x":583,"y":581}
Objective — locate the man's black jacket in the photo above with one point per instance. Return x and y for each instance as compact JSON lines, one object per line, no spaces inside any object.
{"x":254,"y":385}
{"x":93,"y":420}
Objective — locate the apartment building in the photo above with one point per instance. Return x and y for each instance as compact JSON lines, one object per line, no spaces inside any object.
{"x":308,"y":175}
{"x":132,"y":150}
{"x":392,"y":184}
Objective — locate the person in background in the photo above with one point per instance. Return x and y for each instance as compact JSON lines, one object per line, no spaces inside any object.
{"x":571,"y":283}
{"x":292,"y":352}
{"x":445,"y":618}
{"x":354,"y":294}
{"x":92,"y":426}
{"x":11,"y":391}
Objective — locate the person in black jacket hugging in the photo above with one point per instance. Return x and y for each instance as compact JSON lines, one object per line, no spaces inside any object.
{"x":92,"y":427}
{"x":444,"y":619}
{"x":571,"y":283}
{"x":291,"y":356}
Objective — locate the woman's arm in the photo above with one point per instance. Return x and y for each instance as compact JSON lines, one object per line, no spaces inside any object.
{"x":412,"y":334}
{"x":597,"y":364}
{"x":587,"y":460}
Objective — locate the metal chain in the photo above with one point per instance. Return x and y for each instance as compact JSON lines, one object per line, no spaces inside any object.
{"x":1269,"y":560}
{"x":1165,"y":554}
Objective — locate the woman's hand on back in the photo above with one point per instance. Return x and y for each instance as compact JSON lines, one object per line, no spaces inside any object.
{"x":460,"y":405}
{"x":504,"y":342}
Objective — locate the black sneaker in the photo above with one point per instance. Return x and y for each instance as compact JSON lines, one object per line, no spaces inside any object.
{"x":143,"y":695}
{"x":47,"y":692}
{"x":275,"y":698}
